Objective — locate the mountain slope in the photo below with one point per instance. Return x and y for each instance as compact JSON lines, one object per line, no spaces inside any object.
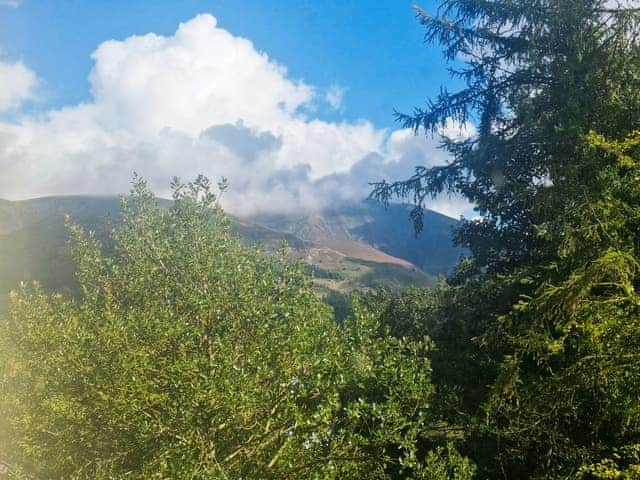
{"x":33,"y":239}
{"x":339,"y":248}
{"x":385,"y":228}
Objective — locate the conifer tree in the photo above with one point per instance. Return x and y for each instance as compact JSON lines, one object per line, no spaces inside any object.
{"x":549,"y":292}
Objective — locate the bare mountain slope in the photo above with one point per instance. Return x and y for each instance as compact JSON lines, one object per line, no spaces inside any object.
{"x":385,"y":228}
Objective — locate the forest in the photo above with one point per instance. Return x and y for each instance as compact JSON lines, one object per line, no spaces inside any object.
{"x":191,"y":355}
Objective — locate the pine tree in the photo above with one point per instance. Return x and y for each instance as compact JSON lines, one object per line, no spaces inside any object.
{"x":549,"y":291}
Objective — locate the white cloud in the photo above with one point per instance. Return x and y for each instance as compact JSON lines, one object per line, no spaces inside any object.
{"x":18,"y":83}
{"x":334,"y":96}
{"x":203,"y":101}
{"x":200,"y":76}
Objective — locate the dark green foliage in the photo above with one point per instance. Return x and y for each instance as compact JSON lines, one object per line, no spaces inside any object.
{"x":547,"y":303}
{"x":461,"y":369}
{"x":341,"y":304}
{"x":190,"y":355}
{"x":405,"y":313}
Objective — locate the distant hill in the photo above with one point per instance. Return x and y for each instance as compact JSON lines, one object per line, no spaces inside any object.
{"x":33,"y":239}
{"x":356,"y":247}
{"x":385,"y":228}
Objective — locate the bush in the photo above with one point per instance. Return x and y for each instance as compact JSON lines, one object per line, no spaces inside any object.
{"x":190,"y":355}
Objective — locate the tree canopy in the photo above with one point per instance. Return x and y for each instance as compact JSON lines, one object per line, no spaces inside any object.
{"x":548,"y":294}
{"x":192,"y":356}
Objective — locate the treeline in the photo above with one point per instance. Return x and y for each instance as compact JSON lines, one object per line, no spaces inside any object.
{"x":190,"y":355}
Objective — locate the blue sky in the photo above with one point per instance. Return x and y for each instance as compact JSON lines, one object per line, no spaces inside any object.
{"x":374,"y":50}
{"x":291,"y":100}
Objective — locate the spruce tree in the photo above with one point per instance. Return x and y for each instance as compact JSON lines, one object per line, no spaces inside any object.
{"x":549,"y":291}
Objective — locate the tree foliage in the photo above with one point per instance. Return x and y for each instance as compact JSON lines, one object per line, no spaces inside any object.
{"x":549,"y":293}
{"x":193,"y":356}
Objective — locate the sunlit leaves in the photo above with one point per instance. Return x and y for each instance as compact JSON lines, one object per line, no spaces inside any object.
{"x":193,"y":356}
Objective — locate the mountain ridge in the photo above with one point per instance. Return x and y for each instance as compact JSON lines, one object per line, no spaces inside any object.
{"x":387,"y":228}
{"x":349,"y":248}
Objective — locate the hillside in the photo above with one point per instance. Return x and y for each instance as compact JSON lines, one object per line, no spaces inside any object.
{"x":33,"y":239}
{"x":350,"y":249}
{"x":387,"y":229}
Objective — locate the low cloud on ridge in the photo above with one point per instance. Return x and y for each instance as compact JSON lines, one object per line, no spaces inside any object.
{"x":201,"y":101}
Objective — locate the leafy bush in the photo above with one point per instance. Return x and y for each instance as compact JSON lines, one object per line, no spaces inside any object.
{"x":191,"y":355}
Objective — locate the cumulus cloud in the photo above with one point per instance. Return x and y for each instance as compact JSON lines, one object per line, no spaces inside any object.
{"x":18,"y":83}
{"x":203,"y":101}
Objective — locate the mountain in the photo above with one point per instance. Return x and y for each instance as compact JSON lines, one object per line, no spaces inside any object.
{"x":33,"y":239}
{"x":387,"y":229}
{"x":351,"y":248}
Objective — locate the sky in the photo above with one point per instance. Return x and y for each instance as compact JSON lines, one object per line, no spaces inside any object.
{"x":292,"y":101}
